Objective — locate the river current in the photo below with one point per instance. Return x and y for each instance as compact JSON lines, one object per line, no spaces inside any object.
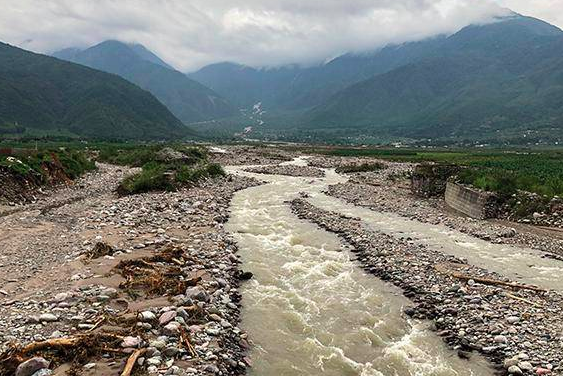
{"x":310,"y":310}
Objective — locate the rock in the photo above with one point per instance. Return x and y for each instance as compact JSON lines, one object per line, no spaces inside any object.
{"x":170,"y":351}
{"x":500,"y":339}
{"x":525,"y":366}
{"x":89,"y":366}
{"x":48,"y":317}
{"x":154,"y":361}
{"x":166,"y":317}
{"x":512,"y":319}
{"x":510,"y":362}
{"x":215,"y":317}
{"x":146,"y":316}
{"x":543,"y":371}
{"x":211,"y":368}
{"x":514,"y":370}
{"x":245,"y":276}
{"x":174,"y":370}
{"x":171,"y":329}
{"x":196,"y":293}
{"x":31,"y":366}
{"x":170,"y":155}
{"x":131,"y":342}
{"x":43,"y":372}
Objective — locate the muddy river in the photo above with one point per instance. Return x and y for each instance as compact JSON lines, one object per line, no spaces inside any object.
{"x":310,"y":310}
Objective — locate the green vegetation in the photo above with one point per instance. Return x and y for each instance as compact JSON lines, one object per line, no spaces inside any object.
{"x":503,"y":172}
{"x":158,"y":172}
{"x":364,"y":167}
{"x":187,"y":99}
{"x":40,"y":165}
{"x":44,"y":94}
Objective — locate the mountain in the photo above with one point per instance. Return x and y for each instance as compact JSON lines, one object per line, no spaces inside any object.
{"x":189,"y":100}
{"x":293,"y":87}
{"x":46,"y":94}
{"x":500,"y":77}
{"x":245,"y":86}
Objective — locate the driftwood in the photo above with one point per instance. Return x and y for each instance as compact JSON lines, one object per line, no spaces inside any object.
{"x":132,"y":361}
{"x":522,"y":300}
{"x":49,"y":344}
{"x":486,"y":281}
{"x":185,"y":341}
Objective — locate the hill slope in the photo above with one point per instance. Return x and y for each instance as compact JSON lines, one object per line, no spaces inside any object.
{"x":293,"y":88}
{"x":506,"y":76}
{"x":189,"y":100}
{"x":41,"y":92}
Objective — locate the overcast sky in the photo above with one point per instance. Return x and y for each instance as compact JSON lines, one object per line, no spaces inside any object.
{"x":191,"y":33}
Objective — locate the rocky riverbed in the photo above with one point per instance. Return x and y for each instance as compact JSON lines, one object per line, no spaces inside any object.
{"x":517,"y":327}
{"x":288,"y":170}
{"x":153,"y":279}
{"x":250,"y":155}
{"x":153,"y":275}
{"x":388,"y":190}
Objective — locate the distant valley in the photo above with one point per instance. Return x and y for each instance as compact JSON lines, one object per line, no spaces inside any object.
{"x":499,"y":82}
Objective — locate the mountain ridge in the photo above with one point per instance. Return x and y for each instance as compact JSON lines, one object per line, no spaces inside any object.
{"x":44,"y":93}
{"x":187,"y":99}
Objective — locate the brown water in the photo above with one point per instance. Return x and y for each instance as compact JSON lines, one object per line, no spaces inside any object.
{"x":310,"y":310}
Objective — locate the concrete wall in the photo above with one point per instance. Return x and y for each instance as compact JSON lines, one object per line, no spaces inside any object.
{"x":429,"y":180}
{"x":471,"y":202}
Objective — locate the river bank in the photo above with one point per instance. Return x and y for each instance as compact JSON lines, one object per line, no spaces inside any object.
{"x":513,"y":327}
{"x":159,"y":276}
{"x":154,"y":275}
{"x":388,"y":191}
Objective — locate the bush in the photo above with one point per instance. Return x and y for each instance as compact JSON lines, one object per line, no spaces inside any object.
{"x":167,"y":177}
{"x":153,"y":177}
{"x":73,"y":163}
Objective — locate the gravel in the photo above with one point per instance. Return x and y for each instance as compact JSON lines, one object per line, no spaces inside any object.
{"x":468,"y":315}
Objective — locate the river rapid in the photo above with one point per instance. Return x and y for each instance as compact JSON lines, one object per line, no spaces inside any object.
{"x":310,"y":310}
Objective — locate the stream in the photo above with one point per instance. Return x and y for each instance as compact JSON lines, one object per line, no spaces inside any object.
{"x":310,"y":310}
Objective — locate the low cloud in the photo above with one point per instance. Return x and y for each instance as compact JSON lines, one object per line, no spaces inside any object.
{"x":190,"y":34}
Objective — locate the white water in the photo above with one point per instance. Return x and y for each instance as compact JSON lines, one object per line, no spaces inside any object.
{"x":310,"y":310}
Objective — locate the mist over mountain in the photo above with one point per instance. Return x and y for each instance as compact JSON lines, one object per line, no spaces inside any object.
{"x":45,"y":94}
{"x":499,"y":79}
{"x":188,"y":100}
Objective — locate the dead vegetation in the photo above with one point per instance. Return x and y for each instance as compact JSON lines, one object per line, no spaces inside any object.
{"x":100,"y":249}
{"x":76,"y":350}
{"x":154,"y":276}
{"x":157,"y":275}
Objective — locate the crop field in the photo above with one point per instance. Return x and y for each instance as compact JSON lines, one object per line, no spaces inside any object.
{"x":537,"y":171}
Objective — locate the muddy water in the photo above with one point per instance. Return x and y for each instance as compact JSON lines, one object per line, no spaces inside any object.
{"x":311,"y":311}
{"x":517,"y":263}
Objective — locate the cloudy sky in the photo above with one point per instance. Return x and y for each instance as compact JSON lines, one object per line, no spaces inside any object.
{"x":191,"y":33}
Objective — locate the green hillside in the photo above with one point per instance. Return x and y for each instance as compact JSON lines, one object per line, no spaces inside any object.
{"x":504,"y":77}
{"x":187,"y":99}
{"x":46,"y":94}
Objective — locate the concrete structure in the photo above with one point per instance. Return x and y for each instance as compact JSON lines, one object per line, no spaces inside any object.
{"x":429,"y":179}
{"x":470,"y":201}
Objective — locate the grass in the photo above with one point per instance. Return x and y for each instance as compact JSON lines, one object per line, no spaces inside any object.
{"x":74,"y":163}
{"x":158,"y":175}
{"x":501,"y":171}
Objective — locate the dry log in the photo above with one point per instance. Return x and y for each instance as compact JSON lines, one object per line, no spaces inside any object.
{"x":486,"y":281}
{"x":50,"y":343}
{"x":132,"y":361}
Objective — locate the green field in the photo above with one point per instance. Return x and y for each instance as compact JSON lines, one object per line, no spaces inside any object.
{"x":504,"y":171}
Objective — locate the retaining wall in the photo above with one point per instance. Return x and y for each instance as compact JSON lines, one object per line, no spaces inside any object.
{"x":471,"y":202}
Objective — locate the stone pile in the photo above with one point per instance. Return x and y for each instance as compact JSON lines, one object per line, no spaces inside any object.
{"x":288,"y":170}
{"x":183,"y":325}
